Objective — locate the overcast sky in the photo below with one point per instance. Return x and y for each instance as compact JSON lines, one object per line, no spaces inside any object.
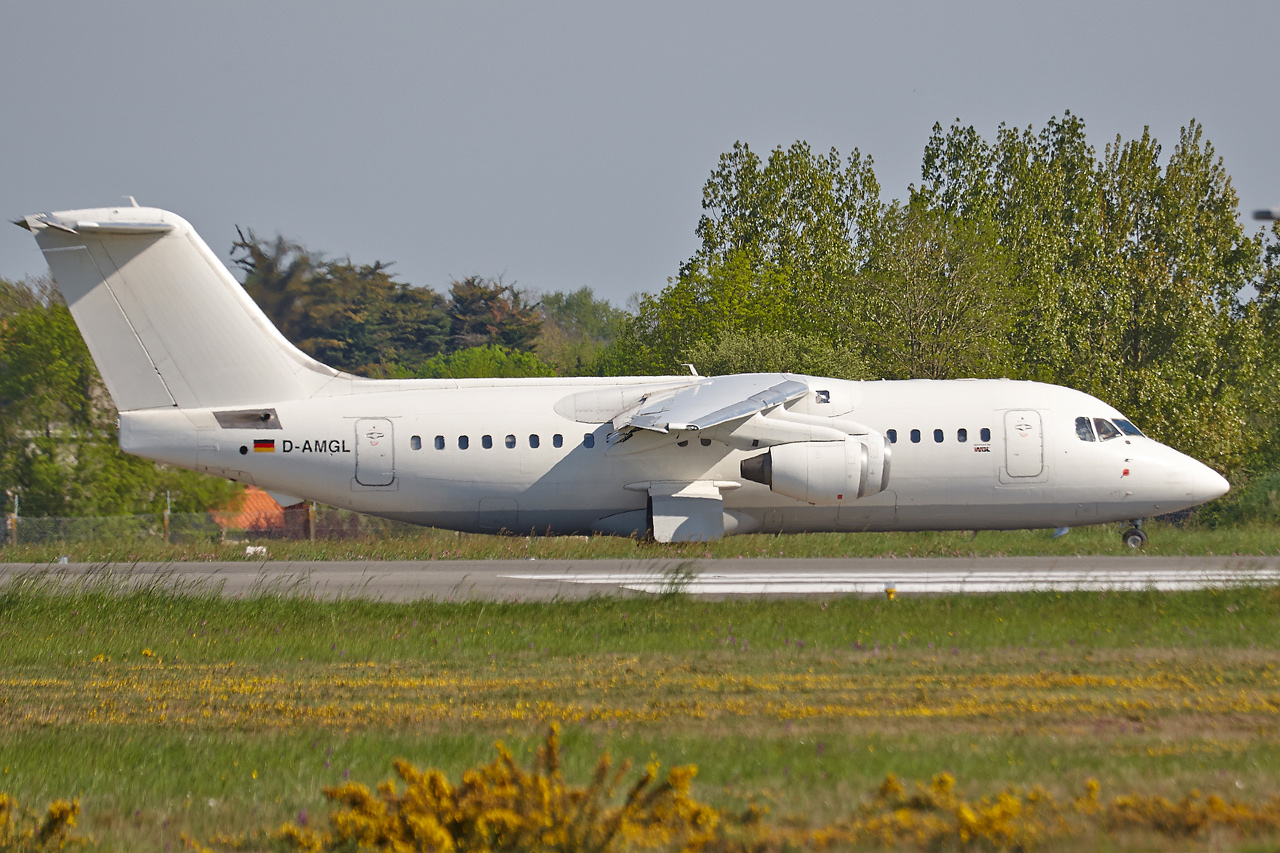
{"x":566,"y":144}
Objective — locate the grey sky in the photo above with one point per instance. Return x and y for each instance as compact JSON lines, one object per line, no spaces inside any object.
{"x":566,"y":144}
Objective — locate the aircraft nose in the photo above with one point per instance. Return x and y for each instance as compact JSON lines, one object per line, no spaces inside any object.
{"x":1202,"y":483}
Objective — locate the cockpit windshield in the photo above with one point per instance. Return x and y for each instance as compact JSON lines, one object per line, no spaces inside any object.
{"x":1103,"y":429}
{"x":1106,"y":429}
{"x":1127,"y":427}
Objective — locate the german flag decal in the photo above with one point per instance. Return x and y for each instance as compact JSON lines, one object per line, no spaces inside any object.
{"x":264,"y":445}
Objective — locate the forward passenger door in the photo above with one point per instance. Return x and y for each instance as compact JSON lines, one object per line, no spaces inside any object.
{"x":1023,"y":443}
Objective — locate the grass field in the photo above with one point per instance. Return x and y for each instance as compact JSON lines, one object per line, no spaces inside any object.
{"x":170,"y":714}
{"x":402,"y":542}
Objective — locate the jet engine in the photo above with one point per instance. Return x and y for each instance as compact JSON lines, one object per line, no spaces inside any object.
{"x":823,"y":472}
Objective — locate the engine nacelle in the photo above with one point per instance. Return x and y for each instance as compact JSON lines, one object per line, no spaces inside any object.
{"x":823,"y":472}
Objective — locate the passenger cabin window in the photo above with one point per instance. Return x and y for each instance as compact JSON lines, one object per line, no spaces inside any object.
{"x":1127,"y":427}
{"x":415,"y":442}
{"x":1106,"y":429}
{"x":892,"y":435}
{"x":486,"y":441}
{"x":937,"y":436}
{"x":962,"y":435}
{"x":589,"y":440}
{"x":915,"y":436}
{"x":705,"y":442}
{"x":534,"y":441}
{"x":684,"y":443}
{"x":986,"y":434}
{"x":464,"y":442}
{"x":822,"y":396}
{"x":439,"y":442}
{"x":557,"y":440}
{"x":510,"y":441}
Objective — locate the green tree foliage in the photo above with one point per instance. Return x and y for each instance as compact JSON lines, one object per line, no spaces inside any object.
{"x":780,"y":239}
{"x":803,"y":214}
{"x":58,"y":439}
{"x":935,"y":297}
{"x":1131,"y":271}
{"x":46,"y":376}
{"x":358,"y":318}
{"x":1264,"y":401}
{"x":575,"y":327}
{"x":355,"y":317}
{"x":783,"y":351}
{"x":488,"y":360}
{"x":486,"y":311}
{"x":1029,"y":255}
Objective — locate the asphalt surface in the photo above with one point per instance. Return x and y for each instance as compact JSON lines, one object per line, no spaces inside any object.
{"x":534,"y":580}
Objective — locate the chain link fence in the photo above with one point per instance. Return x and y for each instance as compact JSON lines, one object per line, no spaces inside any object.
{"x":299,"y":522}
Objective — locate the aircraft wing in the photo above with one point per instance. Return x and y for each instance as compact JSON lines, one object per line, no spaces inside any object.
{"x":715,"y":401}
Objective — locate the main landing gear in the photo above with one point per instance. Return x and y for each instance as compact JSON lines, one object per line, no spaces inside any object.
{"x":1133,"y":535}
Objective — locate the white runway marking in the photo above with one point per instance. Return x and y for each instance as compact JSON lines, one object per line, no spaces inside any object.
{"x":906,"y":583}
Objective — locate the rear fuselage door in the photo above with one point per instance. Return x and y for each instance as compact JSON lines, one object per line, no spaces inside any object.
{"x":375,"y":458}
{"x":1023,"y":443}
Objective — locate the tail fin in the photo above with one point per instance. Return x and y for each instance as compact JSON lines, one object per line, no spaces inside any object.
{"x":164,"y":319}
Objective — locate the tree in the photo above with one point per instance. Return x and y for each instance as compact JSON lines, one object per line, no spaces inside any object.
{"x":575,"y":327}
{"x":780,"y":240}
{"x":783,"y":351}
{"x":1180,"y":345}
{"x":23,"y":295}
{"x":1132,"y":272}
{"x":486,"y":311}
{"x":804,"y":214}
{"x":355,"y":317}
{"x":58,"y":438}
{"x":485,"y":361}
{"x":936,"y":297}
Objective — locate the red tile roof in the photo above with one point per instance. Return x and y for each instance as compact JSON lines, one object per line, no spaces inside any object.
{"x":259,"y":511}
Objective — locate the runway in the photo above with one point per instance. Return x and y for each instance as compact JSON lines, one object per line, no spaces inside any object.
{"x":543,"y":580}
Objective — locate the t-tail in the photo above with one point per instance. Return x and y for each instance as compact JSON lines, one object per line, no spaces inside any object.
{"x":166,"y":323}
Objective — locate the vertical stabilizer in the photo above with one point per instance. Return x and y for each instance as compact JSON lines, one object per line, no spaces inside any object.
{"x":165,"y":321}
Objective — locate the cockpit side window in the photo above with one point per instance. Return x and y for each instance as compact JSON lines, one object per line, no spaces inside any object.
{"x":1106,"y":429}
{"x":1127,"y":427}
{"x":1084,"y":429}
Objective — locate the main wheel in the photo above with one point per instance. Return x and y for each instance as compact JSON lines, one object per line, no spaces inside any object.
{"x":1134,"y":537}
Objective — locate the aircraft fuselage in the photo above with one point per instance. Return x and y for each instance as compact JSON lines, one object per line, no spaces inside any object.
{"x":488,"y":455}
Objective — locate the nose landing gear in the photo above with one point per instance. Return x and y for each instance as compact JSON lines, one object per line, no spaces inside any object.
{"x":1133,"y":535}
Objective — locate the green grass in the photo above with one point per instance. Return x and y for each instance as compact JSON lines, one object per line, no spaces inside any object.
{"x":406,"y":543}
{"x":800,"y":705}
{"x":43,"y":625}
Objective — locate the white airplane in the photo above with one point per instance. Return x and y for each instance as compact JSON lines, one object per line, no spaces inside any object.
{"x":203,"y":380}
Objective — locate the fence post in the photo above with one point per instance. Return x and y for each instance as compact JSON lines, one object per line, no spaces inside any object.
{"x":13,"y":521}
{"x":311,"y":520}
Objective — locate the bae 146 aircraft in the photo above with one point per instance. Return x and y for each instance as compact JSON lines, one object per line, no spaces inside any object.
{"x":203,"y":380}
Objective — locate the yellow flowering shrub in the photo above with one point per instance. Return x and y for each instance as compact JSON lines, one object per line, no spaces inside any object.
{"x":503,"y":807}
{"x":929,"y":816}
{"x":22,"y":830}
{"x":1192,"y":815}
{"x":933,"y":817}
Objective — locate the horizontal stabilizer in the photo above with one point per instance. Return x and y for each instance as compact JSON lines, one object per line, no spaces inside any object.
{"x":73,"y":226}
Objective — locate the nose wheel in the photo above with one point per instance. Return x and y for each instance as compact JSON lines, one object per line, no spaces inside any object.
{"x":1134,"y":537}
